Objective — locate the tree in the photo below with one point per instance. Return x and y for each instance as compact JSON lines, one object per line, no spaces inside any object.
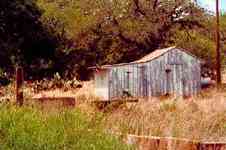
{"x":23,"y":39}
{"x":118,"y":30}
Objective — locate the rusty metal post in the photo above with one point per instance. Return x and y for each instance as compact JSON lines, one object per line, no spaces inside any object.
{"x":19,"y":85}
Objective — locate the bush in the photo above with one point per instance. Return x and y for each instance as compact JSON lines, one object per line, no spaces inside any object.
{"x":55,"y":83}
{"x":4,"y":78}
{"x":26,"y":128}
{"x":4,"y":81}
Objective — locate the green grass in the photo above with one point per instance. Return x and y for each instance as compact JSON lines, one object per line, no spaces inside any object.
{"x":28,"y":128}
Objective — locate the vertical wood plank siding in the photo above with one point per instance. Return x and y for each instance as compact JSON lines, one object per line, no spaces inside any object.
{"x":101,"y":84}
{"x":151,"y":78}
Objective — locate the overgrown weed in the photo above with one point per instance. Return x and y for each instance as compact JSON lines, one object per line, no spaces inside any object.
{"x":194,"y":118}
{"x":29,"y":128}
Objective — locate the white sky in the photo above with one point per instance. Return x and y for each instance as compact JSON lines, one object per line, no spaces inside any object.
{"x":211,"y":4}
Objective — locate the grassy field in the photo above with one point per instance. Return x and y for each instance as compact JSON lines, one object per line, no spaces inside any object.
{"x":202,"y":117}
{"x":28,"y":128}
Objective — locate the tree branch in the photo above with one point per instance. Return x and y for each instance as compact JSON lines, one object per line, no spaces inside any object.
{"x":137,"y":8}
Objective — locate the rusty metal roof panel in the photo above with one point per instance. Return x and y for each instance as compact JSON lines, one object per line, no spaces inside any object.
{"x":155,"y":54}
{"x":149,"y":57}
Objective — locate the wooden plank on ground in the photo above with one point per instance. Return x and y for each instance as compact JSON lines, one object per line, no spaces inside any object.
{"x":160,"y":143}
{"x":56,"y":102}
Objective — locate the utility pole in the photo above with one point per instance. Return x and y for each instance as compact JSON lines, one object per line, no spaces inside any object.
{"x":218,"y":54}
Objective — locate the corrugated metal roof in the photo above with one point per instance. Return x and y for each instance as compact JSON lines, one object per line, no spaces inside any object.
{"x":155,"y":54}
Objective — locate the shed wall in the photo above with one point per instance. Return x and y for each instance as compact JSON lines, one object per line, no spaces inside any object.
{"x":101,"y":84}
{"x":123,"y":81}
{"x":151,"y":78}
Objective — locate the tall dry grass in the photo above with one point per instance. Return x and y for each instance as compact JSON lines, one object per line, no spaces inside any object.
{"x":199,"y":118}
{"x":202,"y":117}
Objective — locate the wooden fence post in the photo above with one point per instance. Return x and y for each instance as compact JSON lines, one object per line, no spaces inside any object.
{"x":19,"y":85}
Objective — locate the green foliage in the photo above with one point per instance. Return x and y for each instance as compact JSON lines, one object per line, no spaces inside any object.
{"x":108,"y":32}
{"x":198,"y":44}
{"x":26,"y":128}
{"x":23,"y":38}
{"x":68,"y":36}
{"x":223,"y":32}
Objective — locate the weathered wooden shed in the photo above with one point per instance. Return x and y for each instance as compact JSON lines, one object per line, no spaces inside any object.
{"x":165,"y":71}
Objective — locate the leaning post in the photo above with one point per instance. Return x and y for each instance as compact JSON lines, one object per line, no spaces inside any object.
{"x":19,"y":86}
